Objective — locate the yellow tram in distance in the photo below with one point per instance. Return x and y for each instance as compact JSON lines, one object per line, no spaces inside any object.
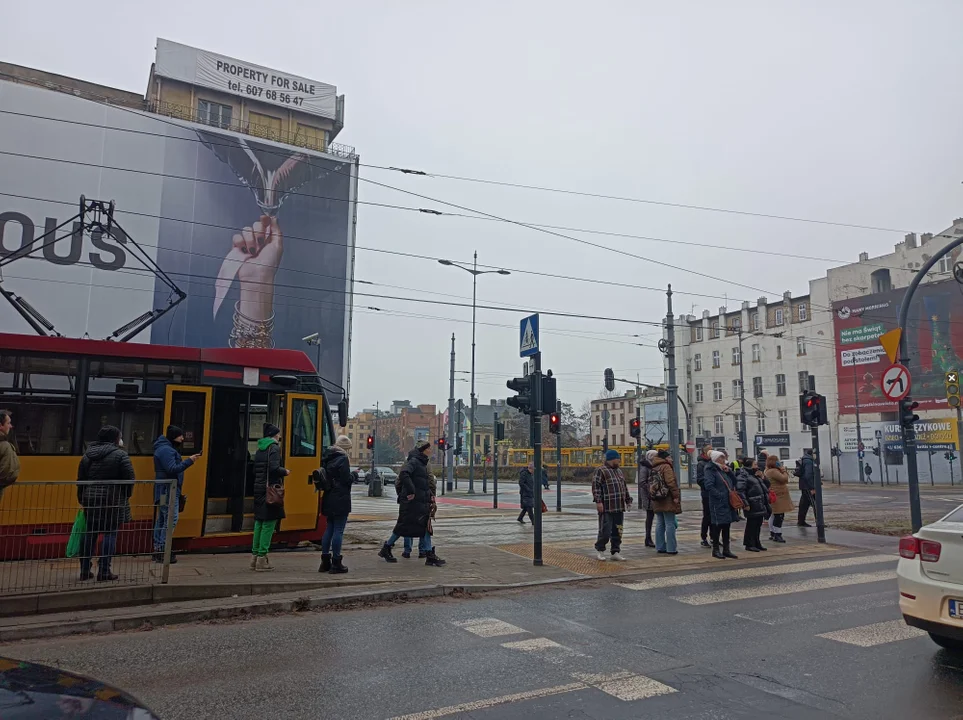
{"x":60,"y":391}
{"x":575,"y":457}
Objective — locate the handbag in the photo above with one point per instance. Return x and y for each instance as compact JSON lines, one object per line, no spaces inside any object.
{"x":76,"y":534}
{"x":772,"y":497}
{"x":544,"y":507}
{"x":275,"y":495}
{"x":735,"y":500}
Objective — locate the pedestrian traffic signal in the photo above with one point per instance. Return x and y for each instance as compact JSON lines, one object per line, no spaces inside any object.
{"x":609,"y":379}
{"x":812,"y":409}
{"x":548,"y":399}
{"x":907,"y":418}
{"x":370,"y":442}
{"x":488,"y":445}
{"x":499,"y":431}
{"x":835,"y":451}
{"x":458,"y":445}
{"x":554,"y":423}
{"x":876,"y":451}
{"x":635,"y":427}
{"x":953,"y":389}
{"x":523,"y":400}
{"x":950,"y":456}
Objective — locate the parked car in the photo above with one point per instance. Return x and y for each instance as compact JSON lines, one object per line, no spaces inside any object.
{"x":930,"y":579}
{"x":359,"y":475}
{"x":388,"y":476}
{"x":29,"y":690}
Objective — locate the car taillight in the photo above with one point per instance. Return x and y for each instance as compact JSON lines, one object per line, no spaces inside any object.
{"x":909,"y":546}
{"x":928,"y":550}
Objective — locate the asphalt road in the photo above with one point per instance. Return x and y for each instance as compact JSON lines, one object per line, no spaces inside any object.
{"x":811,"y":639}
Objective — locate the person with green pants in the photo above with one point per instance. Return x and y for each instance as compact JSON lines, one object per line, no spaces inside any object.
{"x":267,"y":470}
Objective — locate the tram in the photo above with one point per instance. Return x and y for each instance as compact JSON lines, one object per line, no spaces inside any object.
{"x":62,"y":390}
{"x":575,"y":457}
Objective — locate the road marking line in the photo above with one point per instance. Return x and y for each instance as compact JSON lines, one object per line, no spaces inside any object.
{"x":876,"y":634}
{"x":546,"y":649}
{"x":764,"y":590}
{"x":492,"y":702}
{"x":637,"y":687}
{"x":597,"y":678}
{"x":788,"y":614}
{"x":489,"y":627}
{"x":751,"y":572}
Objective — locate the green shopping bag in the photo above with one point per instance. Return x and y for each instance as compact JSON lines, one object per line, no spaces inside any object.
{"x":76,"y":533}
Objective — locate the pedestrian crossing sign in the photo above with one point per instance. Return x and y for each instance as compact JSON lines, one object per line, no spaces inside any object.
{"x":528,"y":336}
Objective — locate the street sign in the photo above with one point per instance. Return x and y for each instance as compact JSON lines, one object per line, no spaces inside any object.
{"x":895,"y":382}
{"x":861,"y":454}
{"x":890,"y":343}
{"x":690,"y":447}
{"x":528,"y":336}
{"x":879,"y":434}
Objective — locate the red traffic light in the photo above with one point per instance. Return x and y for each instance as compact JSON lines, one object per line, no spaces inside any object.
{"x":635,"y":427}
{"x":554,"y":423}
{"x":370,"y":442}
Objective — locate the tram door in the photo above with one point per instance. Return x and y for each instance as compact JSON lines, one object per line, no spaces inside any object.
{"x":189,"y":408}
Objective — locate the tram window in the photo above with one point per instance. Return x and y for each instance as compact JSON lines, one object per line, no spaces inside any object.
{"x":139,"y":421}
{"x":42,"y":425}
{"x":328,"y":435}
{"x":187,"y":412}
{"x":304,"y":433}
{"x":47,"y":373}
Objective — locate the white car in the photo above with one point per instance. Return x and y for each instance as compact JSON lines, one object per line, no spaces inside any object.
{"x":930,"y":579}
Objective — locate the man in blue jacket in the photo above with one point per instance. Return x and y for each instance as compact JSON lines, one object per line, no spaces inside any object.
{"x":168,"y":465}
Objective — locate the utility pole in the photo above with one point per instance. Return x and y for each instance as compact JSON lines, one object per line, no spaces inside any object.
{"x":817,"y":479}
{"x":495,"y":439}
{"x":672,"y":389}
{"x":742,"y":400}
{"x":558,"y":459}
{"x":450,"y":448}
{"x":605,"y":429}
{"x":374,"y":445}
{"x":859,"y":431}
{"x":536,"y":424}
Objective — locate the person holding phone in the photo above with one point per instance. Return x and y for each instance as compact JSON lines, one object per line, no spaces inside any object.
{"x":267,"y":471}
{"x":168,"y":465}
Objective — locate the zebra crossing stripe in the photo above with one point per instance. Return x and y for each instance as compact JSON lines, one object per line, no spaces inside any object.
{"x":876,"y":634}
{"x":489,"y":627}
{"x":769,"y":590}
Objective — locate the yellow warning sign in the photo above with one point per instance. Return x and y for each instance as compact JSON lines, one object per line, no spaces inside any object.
{"x":890,"y":343}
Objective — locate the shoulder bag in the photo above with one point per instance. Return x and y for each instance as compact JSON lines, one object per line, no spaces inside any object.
{"x":275,"y":495}
{"x":735,"y":500}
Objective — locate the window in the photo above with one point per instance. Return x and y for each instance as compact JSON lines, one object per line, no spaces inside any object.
{"x":783,"y":453}
{"x":736,"y":389}
{"x":210,"y":113}
{"x":698,"y":335}
{"x":716,"y":359}
{"x":803,"y":381}
{"x":757,"y":387}
{"x":760,"y":423}
{"x":756,"y":353}
{"x":778,"y":352}
{"x":783,"y":421}
{"x":598,"y":419}
{"x":717,"y":391}
{"x":304,"y":430}
{"x":778,"y":316}
{"x":780,"y":385}
{"x":737,"y":423}
{"x":736,"y":356}
{"x":800,"y":346}
{"x":735,"y":325}
{"x":264,"y":126}
{"x":188,"y":412}
{"x":40,"y":395}
{"x":718,"y":425}
{"x":944,"y":265}
{"x":714,"y":329}
{"x":699,"y":395}
{"x":621,"y":418}
{"x":754,"y":321}
{"x":700,"y":426}
{"x":880,"y":281}
{"x":697,"y":361}
{"x":803,"y":311}
{"x":310,"y":137}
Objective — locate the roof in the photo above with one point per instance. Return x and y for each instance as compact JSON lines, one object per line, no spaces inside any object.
{"x":266,"y":359}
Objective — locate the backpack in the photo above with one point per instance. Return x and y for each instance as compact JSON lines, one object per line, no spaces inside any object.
{"x":658,"y":489}
{"x":322,"y":482}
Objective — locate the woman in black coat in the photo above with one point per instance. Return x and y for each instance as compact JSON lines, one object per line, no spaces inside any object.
{"x":756,"y":497}
{"x":414,"y":508}
{"x":526,"y":493}
{"x":335,"y":504}
{"x":718,"y":481}
{"x":700,"y":481}
{"x":267,"y":470}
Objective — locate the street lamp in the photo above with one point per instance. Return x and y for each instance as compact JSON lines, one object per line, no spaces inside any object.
{"x":475,"y":272}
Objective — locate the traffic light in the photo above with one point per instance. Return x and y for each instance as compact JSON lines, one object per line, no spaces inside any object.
{"x":458,"y":445}
{"x":876,"y":451}
{"x":499,"y":431}
{"x":950,"y":456}
{"x":635,"y":427}
{"x":609,"y":379}
{"x":548,"y":398}
{"x":442,"y":445}
{"x":953,"y":389}
{"x":835,"y":451}
{"x":523,"y":400}
{"x":907,"y":418}
{"x":488,"y":445}
{"x":370,"y":442}
{"x":554,"y":423}
{"x":812,"y":409}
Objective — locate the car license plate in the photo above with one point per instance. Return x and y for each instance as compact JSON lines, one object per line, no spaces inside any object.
{"x":956,"y":608}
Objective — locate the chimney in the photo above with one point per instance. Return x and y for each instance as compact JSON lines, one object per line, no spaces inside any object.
{"x":910,"y":241}
{"x":925,"y":238}
{"x":863,"y":256}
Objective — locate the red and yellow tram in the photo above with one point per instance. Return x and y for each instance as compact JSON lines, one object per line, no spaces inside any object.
{"x":61,"y":391}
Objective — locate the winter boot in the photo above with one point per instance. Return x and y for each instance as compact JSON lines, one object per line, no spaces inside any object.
{"x":337,"y":567}
{"x":778,"y":538}
{"x":422,"y":554}
{"x":325,"y":563}
{"x":406,"y":554}
{"x":433,"y":560}
{"x":253,"y":561}
{"x":261,"y":565}
{"x":727,"y":553}
{"x":85,"y":573}
{"x":717,"y":553}
{"x":385,"y":553}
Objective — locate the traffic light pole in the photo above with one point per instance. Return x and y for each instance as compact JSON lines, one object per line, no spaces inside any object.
{"x":672,"y":389}
{"x":817,"y":475}
{"x":859,"y":432}
{"x":449,"y":446}
{"x":558,"y":459}
{"x":536,"y":426}
{"x":495,"y":460}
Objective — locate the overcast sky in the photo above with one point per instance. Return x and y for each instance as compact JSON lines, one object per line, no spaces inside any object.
{"x":841,"y":111}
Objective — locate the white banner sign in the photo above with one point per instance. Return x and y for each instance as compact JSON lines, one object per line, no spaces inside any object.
{"x":246,"y":80}
{"x":847,"y":435}
{"x":862,"y":356}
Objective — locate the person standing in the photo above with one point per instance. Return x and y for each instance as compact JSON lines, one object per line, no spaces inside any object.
{"x":779,"y":484}
{"x":267,"y":471}
{"x":168,"y":465}
{"x":645,"y":502}
{"x":667,"y":508}
{"x":611,"y":497}
{"x":526,"y":493}
{"x":335,"y":504}
{"x":756,"y":498}
{"x":718,"y":480}
{"x":9,"y":462}
{"x":807,"y":487}
{"x":700,"y":481}
{"x":414,"y":509}
{"x":104,"y":482}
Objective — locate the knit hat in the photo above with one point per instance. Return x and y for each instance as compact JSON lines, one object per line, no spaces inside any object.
{"x":651,"y":454}
{"x":173,"y":432}
{"x":271,"y":430}
{"x":612,"y":455}
{"x":420,"y":447}
{"x":716,"y":456}
{"x":108,"y":433}
{"x":663,"y":454}
{"x":343,"y":442}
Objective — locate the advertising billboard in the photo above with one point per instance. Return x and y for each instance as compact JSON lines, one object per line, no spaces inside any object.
{"x":655,"y":423}
{"x":259,"y":235}
{"x":934,"y":336}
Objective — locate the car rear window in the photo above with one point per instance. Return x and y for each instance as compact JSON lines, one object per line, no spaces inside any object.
{"x":955,"y":516}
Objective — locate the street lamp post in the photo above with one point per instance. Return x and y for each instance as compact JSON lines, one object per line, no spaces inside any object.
{"x":475,"y":272}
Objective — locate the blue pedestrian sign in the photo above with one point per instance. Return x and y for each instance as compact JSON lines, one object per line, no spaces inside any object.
{"x":861,"y":454}
{"x":528,"y":336}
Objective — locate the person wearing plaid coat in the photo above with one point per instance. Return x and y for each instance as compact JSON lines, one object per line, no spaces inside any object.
{"x":611,"y":497}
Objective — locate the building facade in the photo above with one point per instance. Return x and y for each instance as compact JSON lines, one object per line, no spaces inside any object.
{"x":610,"y":418}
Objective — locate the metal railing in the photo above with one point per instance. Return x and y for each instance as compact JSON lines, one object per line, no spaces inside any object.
{"x":70,"y":535}
{"x":297,"y":138}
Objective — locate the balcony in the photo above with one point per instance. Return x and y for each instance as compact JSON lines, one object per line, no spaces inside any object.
{"x":183,"y":112}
